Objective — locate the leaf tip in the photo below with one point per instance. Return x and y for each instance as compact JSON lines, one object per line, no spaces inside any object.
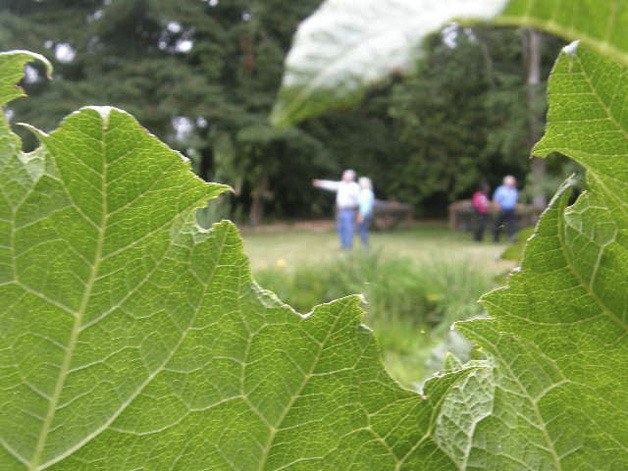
{"x":36,"y":131}
{"x":571,"y":48}
{"x":278,"y":118}
{"x":31,"y":57}
{"x":103,"y":111}
{"x":217,"y":189}
{"x":12,"y":67}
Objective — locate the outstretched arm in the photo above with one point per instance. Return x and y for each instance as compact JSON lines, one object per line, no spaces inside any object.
{"x":328,"y":185}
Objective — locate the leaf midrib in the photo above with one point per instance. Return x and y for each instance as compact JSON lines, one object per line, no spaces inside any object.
{"x":144,"y":384}
{"x":78,"y":318}
{"x":532,"y":400}
{"x":587,"y":287}
{"x":306,"y":378}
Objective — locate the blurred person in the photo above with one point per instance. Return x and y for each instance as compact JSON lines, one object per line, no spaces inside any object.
{"x":505,"y":200}
{"x":366,"y":200}
{"x":347,"y":194}
{"x":481,"y":205}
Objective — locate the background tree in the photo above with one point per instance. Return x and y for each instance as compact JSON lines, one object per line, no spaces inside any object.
{"x":464,"y":117}
{"x":195,"y":73}
{"x":533,"y":83}
{"x":203,"y":76}
{"x":440,"y":116}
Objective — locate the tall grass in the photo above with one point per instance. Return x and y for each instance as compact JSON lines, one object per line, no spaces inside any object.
{"x":410,"y":305}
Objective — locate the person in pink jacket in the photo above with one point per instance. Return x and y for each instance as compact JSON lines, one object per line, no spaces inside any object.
{"x":481,"y":205}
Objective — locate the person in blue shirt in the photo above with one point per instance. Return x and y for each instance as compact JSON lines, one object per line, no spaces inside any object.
{"x":505,"y":199}
{"x":366,"y":200}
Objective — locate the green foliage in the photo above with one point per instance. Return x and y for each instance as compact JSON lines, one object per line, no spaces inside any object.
{"x":127,"y":54}
{"x":410,"y":305}
{"x":11,"y":72}
{"x":570,"y":294}
{"x":146,"y":335}
{"x":363,"y":138}
{"x":460,"y":117}
{"x":442,"y":118}
{"x":340,"y":50}
{"x":430,"y":294}
{"x":598,"y":25}
{"x":131,"y":54}
{"x":126,"y":328}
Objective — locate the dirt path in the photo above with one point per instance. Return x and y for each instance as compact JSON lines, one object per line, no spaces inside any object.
{"x":315,"y":225}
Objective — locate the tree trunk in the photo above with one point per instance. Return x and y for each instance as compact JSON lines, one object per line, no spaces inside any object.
{"x":207,"y":162}
{"x":534,"y":116}
{"x":257,"y":201}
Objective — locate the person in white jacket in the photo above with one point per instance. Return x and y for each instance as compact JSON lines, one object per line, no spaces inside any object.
{"x":347,"y":195}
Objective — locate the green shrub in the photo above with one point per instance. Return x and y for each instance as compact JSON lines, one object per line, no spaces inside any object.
{"x":431,"y":294}
{"x":410,"y":305}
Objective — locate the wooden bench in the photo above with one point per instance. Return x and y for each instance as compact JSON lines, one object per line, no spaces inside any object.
{"x":389,"y":214}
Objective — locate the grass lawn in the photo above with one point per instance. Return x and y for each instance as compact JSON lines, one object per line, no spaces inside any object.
{"x":425,"y":242}
{"x":417,"y":281}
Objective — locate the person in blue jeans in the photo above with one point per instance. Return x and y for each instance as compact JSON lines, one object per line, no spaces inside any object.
{"x":347,"y":193}
{"x":366,"y":201}
{"x":505,"y":199}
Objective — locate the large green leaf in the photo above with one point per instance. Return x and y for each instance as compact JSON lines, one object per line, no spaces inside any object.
{"x":587,"y":120}
{"x":557,"y":333}
{"x":345,"y":46}
{"x":132,"y":339}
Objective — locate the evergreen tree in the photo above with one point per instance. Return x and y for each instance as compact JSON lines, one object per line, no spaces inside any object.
{"x":195,"y":73}
{"x":464,"y":116}
{"x":203,"y":76}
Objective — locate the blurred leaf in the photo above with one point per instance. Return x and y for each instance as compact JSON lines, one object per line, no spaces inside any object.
{"x":343,"y":48}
